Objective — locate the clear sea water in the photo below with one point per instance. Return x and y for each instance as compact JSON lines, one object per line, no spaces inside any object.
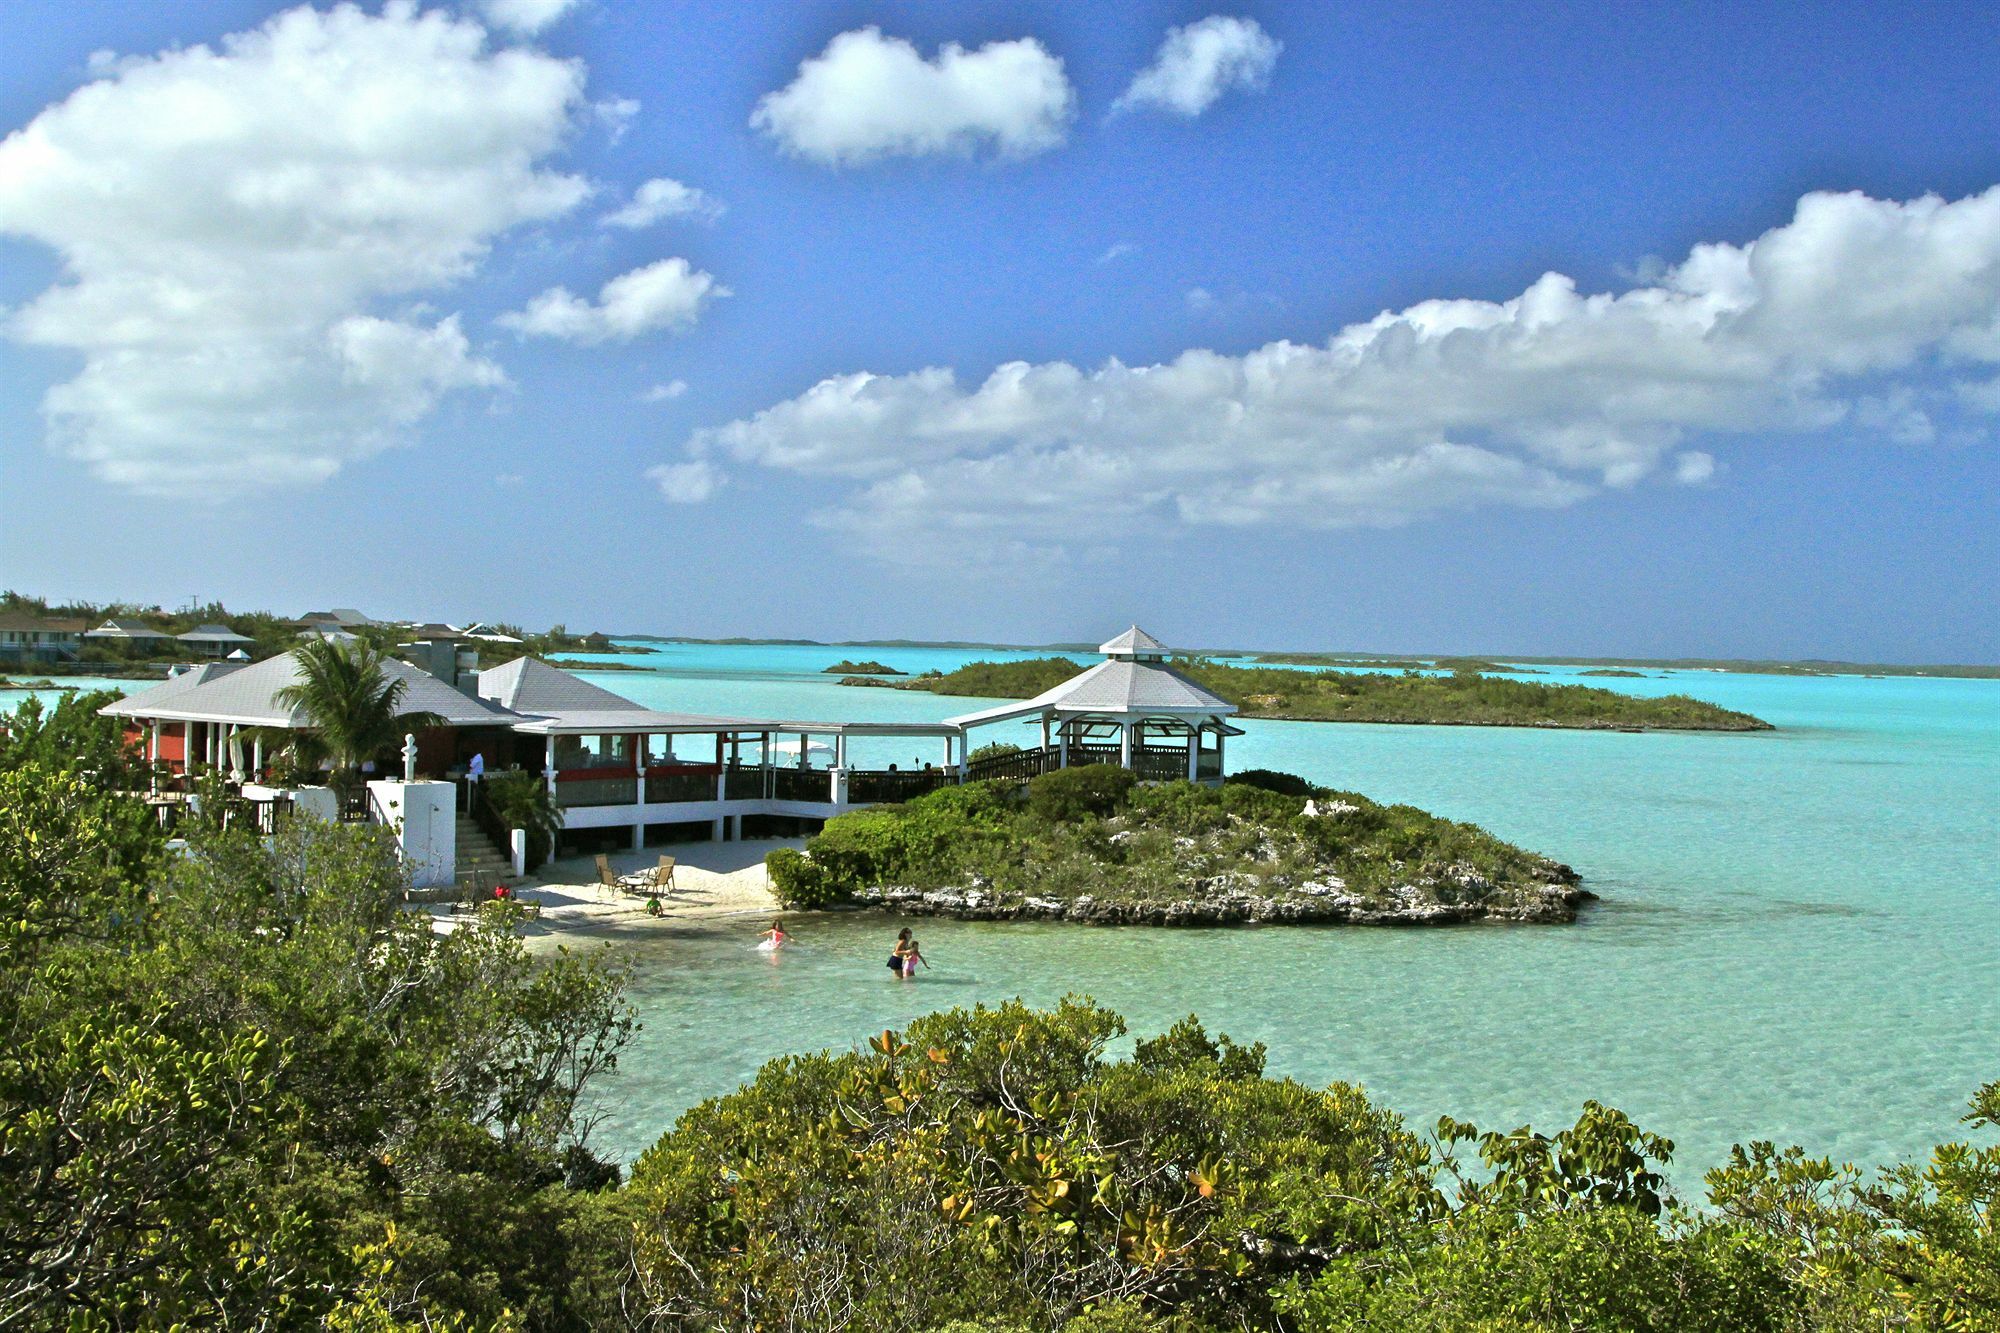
{"x":1799,"y":937}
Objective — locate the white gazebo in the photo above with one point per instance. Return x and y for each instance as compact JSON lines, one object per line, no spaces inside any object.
{"x":1132,"y":709}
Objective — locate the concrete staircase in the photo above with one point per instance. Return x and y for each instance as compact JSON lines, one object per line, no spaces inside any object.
{"x":478,"y":857}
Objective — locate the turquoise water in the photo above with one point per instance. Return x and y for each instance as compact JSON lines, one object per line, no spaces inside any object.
{"x":1799,"y":938}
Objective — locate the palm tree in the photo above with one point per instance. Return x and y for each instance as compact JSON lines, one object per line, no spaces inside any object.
{"x":354,"y":704}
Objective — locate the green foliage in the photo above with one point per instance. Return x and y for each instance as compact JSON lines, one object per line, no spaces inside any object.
{"x":70,"y":857}
{"x":993,"y":750}
{"x":1093,"y":831}
{"x":800,"y":882}
{"x":225,"y":1078}
{"x":992,"y":1165}
{"x":523,"y":801}
{"x":1465,"y":696}
{"x":1089,"y":791}
{"x":1285,"y":784}
{"x":75,"y":736}
{"x":925,"y":838}
{"x":1605,"y":1268}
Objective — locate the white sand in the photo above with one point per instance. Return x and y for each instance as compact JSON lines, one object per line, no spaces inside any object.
{"x":714,"y":882}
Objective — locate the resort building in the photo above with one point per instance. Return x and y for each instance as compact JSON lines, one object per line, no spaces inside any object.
{"x":614,"y":766}
{"x":24,"y":636}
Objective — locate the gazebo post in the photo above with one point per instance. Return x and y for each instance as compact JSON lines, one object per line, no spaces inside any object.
{"x":1194,"y":752}
{"x":1125,"y":726}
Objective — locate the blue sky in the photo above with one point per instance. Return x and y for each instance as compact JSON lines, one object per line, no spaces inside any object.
{"x":320,"y":316}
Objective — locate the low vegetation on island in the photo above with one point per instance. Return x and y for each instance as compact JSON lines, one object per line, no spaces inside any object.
{"x":844,"y":667}
{"x":1090,"y":844}
{"x":1465,"y":697}
{"x":242,"y":1089}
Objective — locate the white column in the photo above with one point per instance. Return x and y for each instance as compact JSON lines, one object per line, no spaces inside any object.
{"x":1194,"y":752}
{"x":1125,"y":743}
{"x":550,"y":773}
{"x":1062,"y":747}
{"x":639,"y":792}
{"x":257,"y":758}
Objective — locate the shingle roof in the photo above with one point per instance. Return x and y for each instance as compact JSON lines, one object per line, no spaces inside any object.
{"x":530,"y":685}
{"x":213,"y":634}
{"x":1119,"y":686}
{"x":173,"y":687}
{"x":245,"y":695}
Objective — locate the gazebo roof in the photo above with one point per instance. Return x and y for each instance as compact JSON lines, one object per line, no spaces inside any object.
{"x":1136,"y":643}
{"x":1121,"y":687}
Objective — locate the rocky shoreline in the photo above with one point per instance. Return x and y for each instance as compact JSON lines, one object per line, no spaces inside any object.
{"x":1229,"y":900}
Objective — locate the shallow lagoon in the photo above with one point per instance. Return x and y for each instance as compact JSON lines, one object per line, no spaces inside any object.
{"x":1799,"y":939}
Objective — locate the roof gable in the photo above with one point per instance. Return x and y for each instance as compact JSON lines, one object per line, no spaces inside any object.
{"x":530,"y":685}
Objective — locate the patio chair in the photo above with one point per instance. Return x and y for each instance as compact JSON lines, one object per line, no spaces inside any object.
{"x":663,"y":876}
{"x":607,"y":878}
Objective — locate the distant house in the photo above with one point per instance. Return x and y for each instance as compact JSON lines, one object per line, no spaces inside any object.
{"x":340,"y":618}
{"x":124,"y":629}
{"x":25,"y":636}
{"x":214,"y":640}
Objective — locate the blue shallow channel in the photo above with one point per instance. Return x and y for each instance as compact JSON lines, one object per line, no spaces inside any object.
{"x":1799,"y":938}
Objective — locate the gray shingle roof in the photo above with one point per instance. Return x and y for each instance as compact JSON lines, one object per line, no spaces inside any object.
{"x":530,"y":685}
{"x":245,"y":695}
{"x":213,"y":634}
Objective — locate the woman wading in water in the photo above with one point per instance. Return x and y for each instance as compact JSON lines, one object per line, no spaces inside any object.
{"x":904,"y":959}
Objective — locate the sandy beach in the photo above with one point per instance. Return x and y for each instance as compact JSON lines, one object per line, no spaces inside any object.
{"x":714,"y":883}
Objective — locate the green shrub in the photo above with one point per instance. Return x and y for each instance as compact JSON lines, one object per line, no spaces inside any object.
{"x":1070,"y":795}
{"x":1285,"y":784}
{"x":799,"y":881}
{"x":523,"y":801}
{"x":993,"y":750}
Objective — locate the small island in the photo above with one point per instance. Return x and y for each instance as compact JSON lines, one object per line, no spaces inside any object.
{"x":868,"y":668}
{"x":1614,"y":671}
{"x":1092,"y":845}
{"x":1462,"y":698}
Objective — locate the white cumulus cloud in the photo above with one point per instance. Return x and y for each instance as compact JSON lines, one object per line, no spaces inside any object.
{"x":660,"y":199}
{"x":686,"y":483}
{"x":1864,"y":315}
{"x":526,"y":17}
{"x":669,"y":294}
{"x":229,"y":221}
{"x":1197,"y":64}
{"x":869,"y":96}
{"x":664,"y":393}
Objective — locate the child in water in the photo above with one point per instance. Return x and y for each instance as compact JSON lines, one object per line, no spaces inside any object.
{"x":774,"y":939}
